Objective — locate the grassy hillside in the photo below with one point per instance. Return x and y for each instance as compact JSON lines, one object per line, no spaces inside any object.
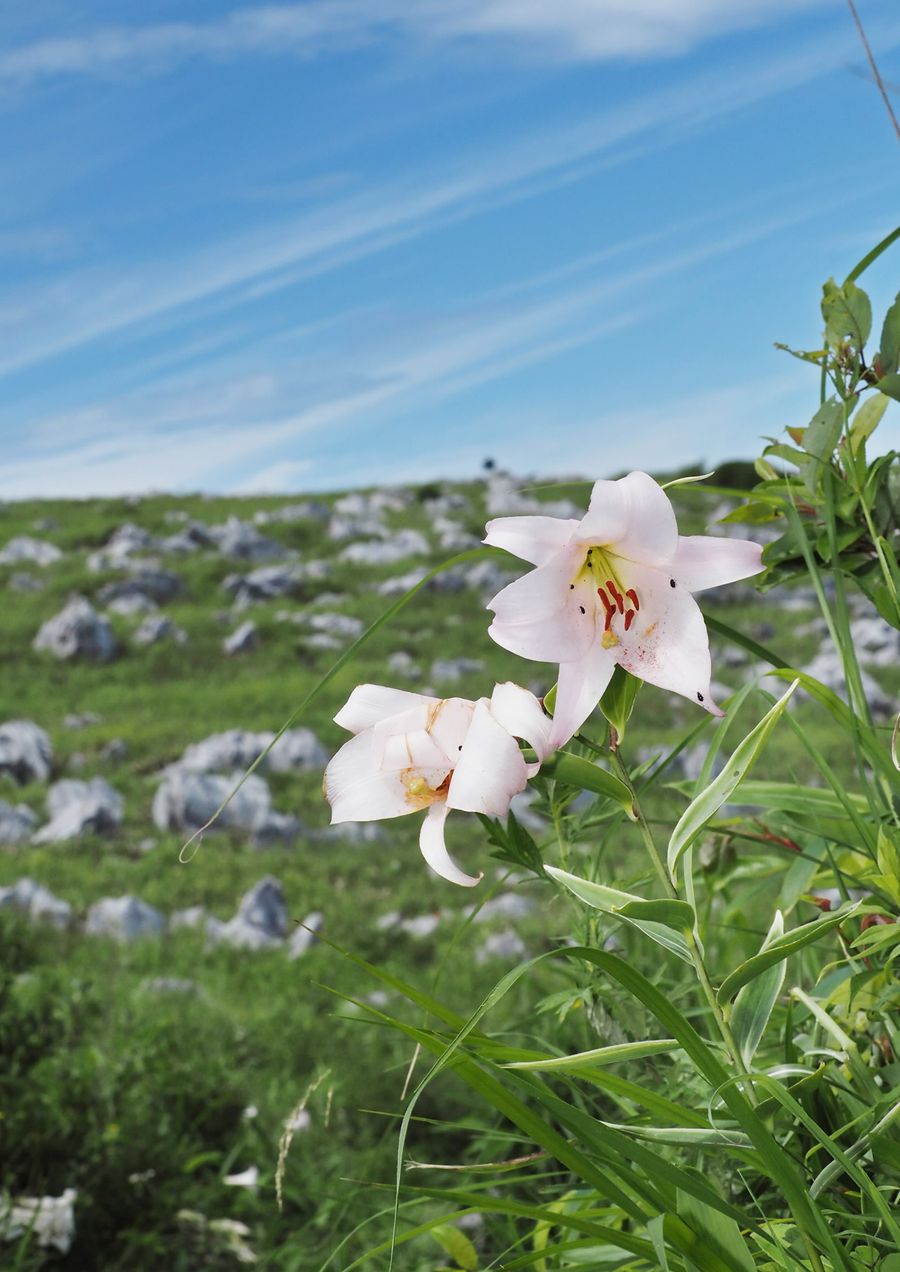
{"x":144,"y":1098}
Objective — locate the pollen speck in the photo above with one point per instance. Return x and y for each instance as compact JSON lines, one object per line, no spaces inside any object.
{"x":648,"y":631}
{"x":609,"y":639}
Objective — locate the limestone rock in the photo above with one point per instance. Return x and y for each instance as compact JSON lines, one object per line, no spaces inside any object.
{"x":78,"y":631}
{"x":25,"y":752}
{"x":79,"y":808}
{"x":124,"y":919}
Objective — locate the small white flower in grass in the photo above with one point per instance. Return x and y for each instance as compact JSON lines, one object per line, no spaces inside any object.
{"x":613,"y":588}
{"x":413,"y":753}
{"x":248,"y":1178}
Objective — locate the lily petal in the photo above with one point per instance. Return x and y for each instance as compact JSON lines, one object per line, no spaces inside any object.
{"x":368,"y":704}
{"x":358,"y":790}
{"x":490,"y":769}
{"x":540,"y":616}
{"x":579,"y":688}
{"x":520,"y":714}
{"x":448,"y":723}
{"x":701,"y":561}
{"x":668,"y":644}
{"x":434,"y":850}
{"x":534,"y":539}
{"x":651,"y":531}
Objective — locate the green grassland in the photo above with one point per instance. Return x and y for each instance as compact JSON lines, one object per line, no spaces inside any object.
{"x":137,"y":1098}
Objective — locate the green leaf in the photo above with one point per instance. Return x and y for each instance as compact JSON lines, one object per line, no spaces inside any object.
{"x":722,"y":1233}
{"x":457,"y":1245}
{"x":847,"y":312}
{"x":889,"y":353}
{"x":600,"y":1056}
{"x":866,"y":419}
{"x":890,"y":384}
{"x":702,"y":809}
{"x":820,"y":437}
{"x":674,"y":914}
{"x":613,"y":901}
{"x":576,"y":771}
{"x":781,"y":948}
{"x":755,"y":1002}
{"x":618,"y":700}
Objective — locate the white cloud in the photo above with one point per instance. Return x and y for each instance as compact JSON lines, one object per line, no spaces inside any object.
{"x":577,"y":30}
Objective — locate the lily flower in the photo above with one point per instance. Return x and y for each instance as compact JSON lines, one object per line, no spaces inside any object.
{"x":614,"y":587}
{"x":414,"y":753}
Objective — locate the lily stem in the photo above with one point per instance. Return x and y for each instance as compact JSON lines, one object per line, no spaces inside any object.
{"x":693,"y":945}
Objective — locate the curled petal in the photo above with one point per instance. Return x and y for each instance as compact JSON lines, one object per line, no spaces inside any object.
{"x":369,"y":704}
{"x":534,"y":539}
{"x":651,"y":531}
{"x":520,"y":713}
{"x":580,"y":686}
{"x":358,"y":790}
{"x":490,"y":769}
{"x":701,"y":561}
{"x":667,"y":645}
{"x":434,"y":850}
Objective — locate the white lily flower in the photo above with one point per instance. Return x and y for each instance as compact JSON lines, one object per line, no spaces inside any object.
{"x":613,"y":588}
{"x":412,"y":753}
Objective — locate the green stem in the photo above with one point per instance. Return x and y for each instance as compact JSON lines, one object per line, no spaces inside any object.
{"x":696,"y":953}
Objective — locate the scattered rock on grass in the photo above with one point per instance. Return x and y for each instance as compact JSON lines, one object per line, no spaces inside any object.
{"x":243,"y":640}
{"x":25,"y":752}
{"x":50,"y":1221}
{"x":78,"y":631}
{"x":155,"y":628}
{"x":261,"y":921}
{"x":37,"y":902}
{"x":17,"y":823}
{"x":124,"y":919}
{"x":23,"y":549}
{"x":79,"y":808}
{"x":306,"y":934}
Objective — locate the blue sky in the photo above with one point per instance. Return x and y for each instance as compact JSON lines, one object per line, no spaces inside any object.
{"x":309,"y":246}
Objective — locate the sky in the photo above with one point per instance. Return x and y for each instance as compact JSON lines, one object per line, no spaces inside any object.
{"x":309,"y":246}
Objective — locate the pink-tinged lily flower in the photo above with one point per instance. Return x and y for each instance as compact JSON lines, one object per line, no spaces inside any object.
{"x":412,"y":753}
{"x":614,"y":587}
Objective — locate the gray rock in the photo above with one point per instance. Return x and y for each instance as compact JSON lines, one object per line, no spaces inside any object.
{"x":190,"y":538}
{"x":403,"y":544}
{"x":449,"y":670}
{"x":876,"y":642}
{"x":373,"y":504}
{"x":131,"y":605}
{"x":77,"y":631}
{"x":420,"y":926}
{"x":148,"y":582}
{"x":322,"y":641}
{"x":81,"y":719}
{"x":23,"y":549}
{"x":305,"y":936}
{"x":269,"y":582}
{"x":828,"y":668}
{"x":508,"y":905}
{"x":124,"y":919}
{"x":243,"y":640}
{"x":115,"y":750}
{"x":343,"y":626}
{"x":261,"y":921}
{"x":505,"y":945}
{"x":521,"y":806}
{"x":401,"y":663}
{"x":118,"y":551}
{"x":503,"y":499}
{"x":37,"y":902}
{"x":157,"y":627}
{"x":17,"y":823}
{"x":487,"y":577}
{"x":186,"y":801}
{"x":309,"y":510}
{"x":296,"y":751}
{"x":79,"y":808}
{"x":403,"y":582}
{"x":358,"y":834}
{"x":25,"y":752}
{"x":193,"y":916}
{"x":244,"y":542}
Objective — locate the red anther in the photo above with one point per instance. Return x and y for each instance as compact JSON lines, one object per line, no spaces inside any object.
{"x":633,"y":597}
{"x":610,"y":609}
{"x":616,"y":595}
{"x":629,"y":617}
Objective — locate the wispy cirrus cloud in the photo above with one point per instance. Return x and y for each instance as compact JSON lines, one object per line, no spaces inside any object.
{"x":566,"y":30}
{"x":40,"y":321}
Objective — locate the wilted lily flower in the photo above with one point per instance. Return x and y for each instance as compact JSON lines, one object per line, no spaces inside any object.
{"x":613,"y":588}
{"x":413,"y":753}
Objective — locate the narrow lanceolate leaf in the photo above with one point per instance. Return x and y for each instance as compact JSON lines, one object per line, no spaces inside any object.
{"x":866,"y":419}
{"x":579,"y":772}
{"x":700,"y":1137}
{"x":599,"y":1056}
{"x":889,"y":354}
{"x":702,"y":809}
{"x":780,"y":949}
{"x":757,"y":999}
{"x":634,"y":910}
{"x":456,"y":1244}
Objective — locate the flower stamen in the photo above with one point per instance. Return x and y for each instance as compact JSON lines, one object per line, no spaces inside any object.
{"x":633,"y":597}
{"x":616,"y":595}
{"x":608,"y":606}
